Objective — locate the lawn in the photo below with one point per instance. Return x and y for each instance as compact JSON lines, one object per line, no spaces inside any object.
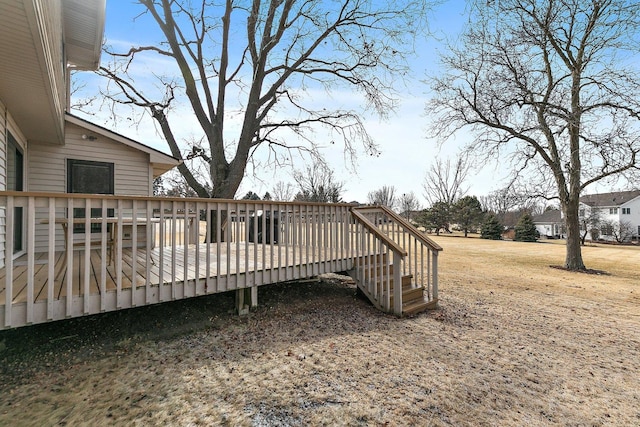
{"x":515,"y":342}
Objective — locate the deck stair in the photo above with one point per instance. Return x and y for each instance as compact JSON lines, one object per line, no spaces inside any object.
{"x":414,"y":299}
{"x":402,"y":255}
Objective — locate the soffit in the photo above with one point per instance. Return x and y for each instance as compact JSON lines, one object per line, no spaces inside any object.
{"x":83,"y":32}
{"x":24,"y":84}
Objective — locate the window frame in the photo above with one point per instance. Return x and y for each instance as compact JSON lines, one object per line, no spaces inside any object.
{"x":110,"y":189}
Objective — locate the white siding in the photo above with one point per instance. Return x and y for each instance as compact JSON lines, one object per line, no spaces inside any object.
{"x":634,"y":217}
{"x":3,"y":146}
{"x":3,"y":176}
{"x":47,"y":163}
{"x":7,"y":125}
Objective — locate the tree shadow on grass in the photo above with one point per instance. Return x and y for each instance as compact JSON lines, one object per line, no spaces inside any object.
{"x":585,"y":271}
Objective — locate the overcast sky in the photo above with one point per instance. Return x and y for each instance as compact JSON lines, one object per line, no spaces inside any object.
{"x":406,"y":152}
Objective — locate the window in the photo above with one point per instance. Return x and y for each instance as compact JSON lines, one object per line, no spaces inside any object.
{"x":606,"y":230}
{"x":85,"y":176}
{"x":581,"y":213}
{"x":613,"y":211}
{"x":626,"y":211}
{"x":15,"y":182}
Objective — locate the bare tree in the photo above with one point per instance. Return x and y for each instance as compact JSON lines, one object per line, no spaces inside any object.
{"x":621,"y":231}
{"x":501,"y":201}
{"x":172,"y":184}
{"x":590,"y":222}
{"x":283,"y":191}
{"x":262,"y":62}
{"x":408,"y":205}
{"x":384,"y":196}
{"x":445,"y":181}
{"x":317,"y":184}
{"x":75,"y":102}
{"x":551,"y":88}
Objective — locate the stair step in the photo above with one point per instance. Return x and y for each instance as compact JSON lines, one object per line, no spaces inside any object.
{"x":407,"y":280}
{"x":418,"y":306}
{"x":410,"y":293}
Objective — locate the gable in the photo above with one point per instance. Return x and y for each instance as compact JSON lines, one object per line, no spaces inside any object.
{"x":159,"y":161}
{"x":47,"y":163}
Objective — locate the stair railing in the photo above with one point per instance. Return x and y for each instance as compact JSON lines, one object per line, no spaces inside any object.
{"x":421,"y":261}
{"x":371,"y":264}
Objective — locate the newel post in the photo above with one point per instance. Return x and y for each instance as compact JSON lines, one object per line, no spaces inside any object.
{"x":434,"y":272}
{"x":397,"y":284}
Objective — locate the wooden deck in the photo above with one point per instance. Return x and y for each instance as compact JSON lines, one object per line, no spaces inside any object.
{"x":210,"y":269}
{"x":150,"y":250}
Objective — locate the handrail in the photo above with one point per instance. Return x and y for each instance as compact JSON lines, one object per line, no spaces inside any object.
{"x":420,"y":263}
{"x":163,"y":198}
{"x":372,"y":228}
{"x":406,"y":225}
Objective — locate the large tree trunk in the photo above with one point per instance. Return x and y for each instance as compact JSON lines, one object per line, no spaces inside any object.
{"x":226,"y":182}
{"x":573,"y":259}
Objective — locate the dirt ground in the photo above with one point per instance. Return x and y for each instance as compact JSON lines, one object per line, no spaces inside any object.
{"x":515,"y":342}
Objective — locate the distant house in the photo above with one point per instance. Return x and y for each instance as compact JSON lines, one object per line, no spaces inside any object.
{"x":550,"y":224}
{"x":616,"y":215}
{"x":606,"y":216}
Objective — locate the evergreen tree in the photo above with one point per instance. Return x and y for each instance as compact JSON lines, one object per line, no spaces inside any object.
{"x":526,"y":229}
{"x":251,"y":196}
{"x":467,"y":212}
{"x":437,"y":217}
{"x":491,"y":228}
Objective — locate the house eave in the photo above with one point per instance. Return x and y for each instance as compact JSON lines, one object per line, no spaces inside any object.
{"x":83,"y":32}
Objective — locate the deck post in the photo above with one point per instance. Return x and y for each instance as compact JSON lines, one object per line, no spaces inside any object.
{"x":242,"y":295}
{"x":434,"y":272}
{"x":397,"y":284}
{"x":254,"y":296}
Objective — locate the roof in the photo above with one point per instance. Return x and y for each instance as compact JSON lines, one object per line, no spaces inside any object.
{"x":610,"y":199}
{"x":550,"y":216}
{"x":33,"y":66}
{"x":160,"y":161}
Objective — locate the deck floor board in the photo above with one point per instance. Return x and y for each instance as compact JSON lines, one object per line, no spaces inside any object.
{"x":229,"y":263}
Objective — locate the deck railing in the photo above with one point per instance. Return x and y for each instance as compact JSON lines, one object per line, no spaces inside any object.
{"x":146,"y":250}
{"x":411,"y":253}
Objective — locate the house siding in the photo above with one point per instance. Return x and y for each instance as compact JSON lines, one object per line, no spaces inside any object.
{"x":7,"y":125}
{"x":632,"y":218}
{"x":3,"y":176}
{"x":47,"y":165}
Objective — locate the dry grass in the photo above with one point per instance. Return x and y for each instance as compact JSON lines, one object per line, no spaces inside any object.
{"x":514,"y":343}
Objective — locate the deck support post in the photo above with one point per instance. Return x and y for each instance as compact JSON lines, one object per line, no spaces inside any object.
{"x":244,"y":300}
{"x":254,"y":297}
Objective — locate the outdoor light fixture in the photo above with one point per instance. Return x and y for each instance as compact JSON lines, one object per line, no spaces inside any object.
{"x":89,"y":137}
